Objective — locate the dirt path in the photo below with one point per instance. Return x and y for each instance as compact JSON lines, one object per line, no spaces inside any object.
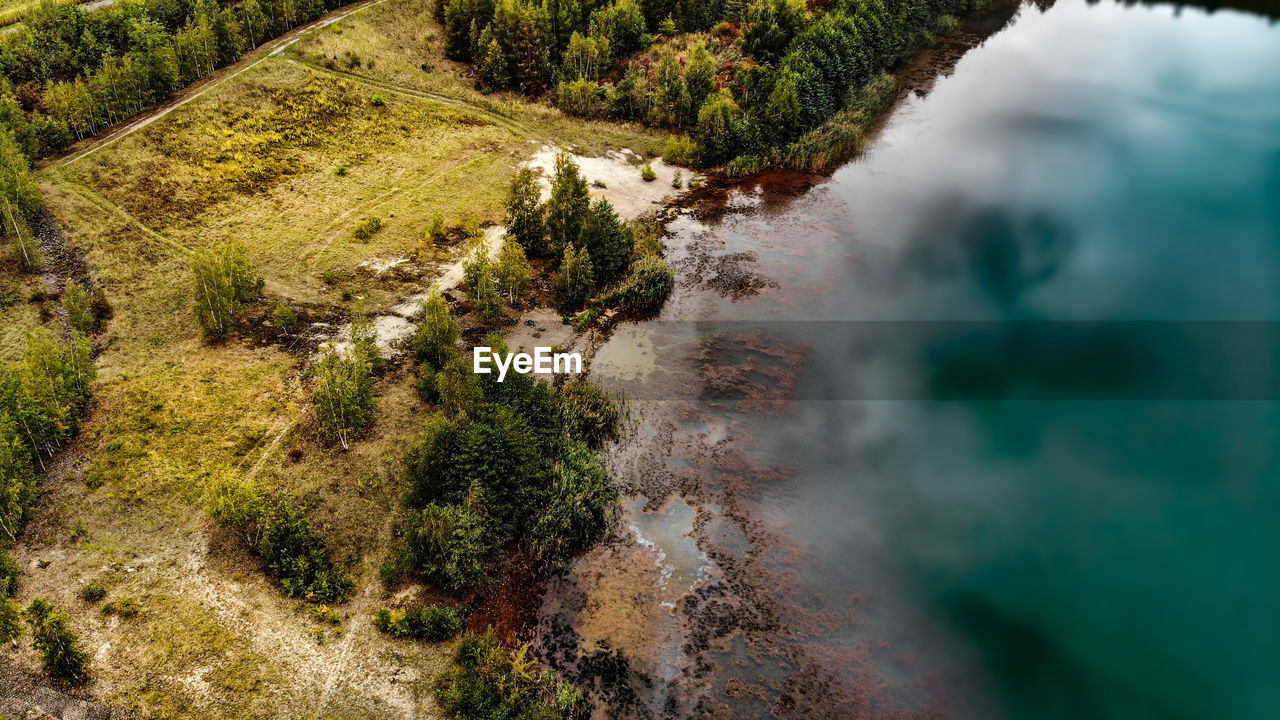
{"x":191,"y":92}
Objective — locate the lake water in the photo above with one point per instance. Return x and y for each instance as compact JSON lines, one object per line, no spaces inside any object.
{"x":985,"y":424}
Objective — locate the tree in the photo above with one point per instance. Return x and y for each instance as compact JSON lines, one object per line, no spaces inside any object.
{"x":437,"y":331}
{"x":224,"y":280}
{"x":446,"y":545}
{"x":524,"y":212}
{"x":75,"y":303}
{"x":20,"y":200}
{"x":699,"y":76}
{"x":254,"y":22}
{"x":567,"y":208}
{"x":608,"y":241}
{"x":580,"y":501}
{"x":646,"y":287}
{"x":485,"y":293}
{"x":512,"y":272}
{"x":574,"y":280}
{"x":719,"y":129}
{"x":10,"y":620}
{"x":17,"y":480}
{"x":343,"y":396}
{"x":57,"y":643}
{"x":771,"y":24}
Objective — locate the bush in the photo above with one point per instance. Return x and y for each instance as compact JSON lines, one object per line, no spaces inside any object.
{"x":434,"y":341}
{"x":579,"y":97}
{"x":647,"y":174}
{"x":444,"y":545}
{"x":677,"y":181}
{"x":489,"y":681}
{"x":224,"y":280}
{"x":589,"y":413}
{"x":10,"y":620}
{"x":377,"y":101}
{"x":278,"y":531}
{"x":431,"y":622}
{"x":93,"y":592}
{"x":343,"y":397}
{"x":367,"y":228}
{"x":574,"y":281}
{"x":427,"y":384}
{"x":645,"y":288}
{"x":57,"y":643}
{"x":124,"y":608}
{"x":8,"y":574}
{"x":681,"y":150}
{"x":580,"y":503}
{"x":75,"y":303}
{"x":743,"y":165}
{"x":285,"y":317}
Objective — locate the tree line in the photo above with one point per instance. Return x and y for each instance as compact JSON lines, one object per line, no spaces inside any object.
{"x":70,"y":72}
{"x":780,"y":68}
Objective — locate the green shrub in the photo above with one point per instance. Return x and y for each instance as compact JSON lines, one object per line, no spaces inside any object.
{"x":579,"y":97}
{"x":57,"y":643}
{"x":75,"y":303}
{"x":431,"y":622}
{"x":647,"y":174}
{"x":645,"y":288}
{"x":278,"y":531}
{"x":367,"y":228}
{"x":9,"y":570}
{"x":124,"y":608}
{"x":436,"y":337}
{"x":10,"y":620}
{"x":427,"y":384}
{"x":341,"y":171}
{"x":580,"y":502}
{"x":343,"y":397}
{"x":677,"y":181}
{"x":444,"y":545}
{"x":377,"y":101}
{"x":489,"y":681}
{"x":93,"y":592}
{"x":224,"y":280}
{"x":285,"y":317}
{"x":589,"y":413}
{"x":681,"y":150}
{"x":743,"y":165}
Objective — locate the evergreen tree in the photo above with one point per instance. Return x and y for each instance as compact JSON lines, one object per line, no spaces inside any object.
{"x":699,"y":76}
{"x":57,"y":643}
{"x":770,"y":26}
{"x":608,"y":241}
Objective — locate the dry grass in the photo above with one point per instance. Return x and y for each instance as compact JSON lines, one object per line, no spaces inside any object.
{"x":23,"y":308}
{"x":256,"y":159}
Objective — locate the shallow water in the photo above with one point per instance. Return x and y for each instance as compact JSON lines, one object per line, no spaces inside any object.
{"x":986,"y":423}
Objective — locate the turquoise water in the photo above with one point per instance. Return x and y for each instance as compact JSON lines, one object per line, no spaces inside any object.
{"x":1034,"y":425}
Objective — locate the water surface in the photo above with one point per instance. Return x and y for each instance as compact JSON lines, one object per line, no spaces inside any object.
{"x":986,"y":423}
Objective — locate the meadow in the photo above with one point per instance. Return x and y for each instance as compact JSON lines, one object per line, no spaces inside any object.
{"x":289,"y":158}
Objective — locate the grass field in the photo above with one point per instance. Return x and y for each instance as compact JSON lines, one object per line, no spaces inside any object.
{"x":287,"y":158}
